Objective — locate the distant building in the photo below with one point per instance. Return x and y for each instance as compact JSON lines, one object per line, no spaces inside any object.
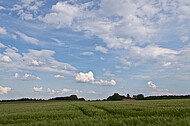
{"x":128,"y":99}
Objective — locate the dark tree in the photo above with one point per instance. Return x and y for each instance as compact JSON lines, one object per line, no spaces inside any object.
{"x":73,"y":97}
{"x":140,"y":97}
{"x":81,"y":99}
{"x":128,"y":96}
{"x":134,"y":96}
{"x":114,"y":97}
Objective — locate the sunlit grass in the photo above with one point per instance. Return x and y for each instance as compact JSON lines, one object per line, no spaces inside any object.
{"x":161,"y":112}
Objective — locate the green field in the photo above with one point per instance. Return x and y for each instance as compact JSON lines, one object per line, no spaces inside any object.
{"x":100,"y":113}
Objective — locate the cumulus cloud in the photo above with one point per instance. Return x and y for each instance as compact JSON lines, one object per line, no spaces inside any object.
{"x":5,"y":59}
{"x":91,"y":92}
{"x":145,"y":22}
{"x":101,"y":49}
{"x":88,"y":53}
{"x":27,"y":9}
{"x":51,"y":91}
{"x":85,"y":77}
{"x":79,"y":91}
{"x":35,"y":60}
{"x":151,"y":54}
{"x":58,"y":76}
{"x":36,"y":63}
{"x":25,"y":16}
{"x":89,"y":78}
{"x":27,"y":38}
{"x":65,"y":90}
{"x":60,"y":16}
{"x":3,"y":31}
{"x":151,"y":85}
{"x":4,"y":90}
{"x":26,"y":77}
{"x":36,"y":89}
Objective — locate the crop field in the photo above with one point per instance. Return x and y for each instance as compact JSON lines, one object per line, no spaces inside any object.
{"x":99,"y":113}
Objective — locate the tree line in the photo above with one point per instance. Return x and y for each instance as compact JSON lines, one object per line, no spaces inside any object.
{"x":117,"y":97}
{"x":67,"y":98}
{"x":114,"y":97}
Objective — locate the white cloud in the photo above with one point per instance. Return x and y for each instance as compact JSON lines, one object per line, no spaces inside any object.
{"x":151,"y":85}
{"x":60,"y":16}
{"x":5,"y":59}
{"x":35,"y":60}
{"x":27,"y":9}
{"x":91,"y":92}
{"x":14,"y":36}
{"x":184,"y":38}
{"x":101,"y":49}
{"x":3,"y":31}
{"x":58,"y":76}
{"x":151,"y":54}
{"x":130,"y":25}
{"x":58,"y":42}
{"x":105,"y":82}
{"x":26,"y":77}
{"x":65,"y":90}
{"x":108,"y":73}
{"x":4,"y":90}
{"x":15,"y":49}
{"x":51,"y":91}
{"x":124,"y":62}
{"x":36,"y":63}
{"x":25,"y":16}
{"x":124,"y":23}
{"x":167,"y":64}
{"x":79,"y":91}
{"x":38,"y":89}
{"x":88,"y":53}
{"x":27,"y":38}
{"x":85,"y":77}
{"x":16,"y":75}
{"x":101,"y":58}
{"x":2,"y":46}
{"x":89,"y":78}
{"x":2,"y":8}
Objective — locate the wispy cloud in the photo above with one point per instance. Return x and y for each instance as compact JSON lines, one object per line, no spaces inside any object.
{"x":101,"y":49}
{"x":87,"y":53}
{"x":27,"y":38}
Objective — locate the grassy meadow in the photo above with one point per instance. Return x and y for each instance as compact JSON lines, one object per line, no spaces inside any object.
{"x":99,"y":113}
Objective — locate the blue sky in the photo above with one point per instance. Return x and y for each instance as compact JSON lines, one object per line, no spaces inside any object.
{"x":94,"y":48}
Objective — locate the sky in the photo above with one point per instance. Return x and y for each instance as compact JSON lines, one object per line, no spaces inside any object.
{"x":94,"y":48}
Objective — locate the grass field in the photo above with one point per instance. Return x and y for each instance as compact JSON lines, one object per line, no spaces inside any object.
{"x":100,"y":113}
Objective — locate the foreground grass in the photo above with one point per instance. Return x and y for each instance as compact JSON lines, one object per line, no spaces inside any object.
{"x":147,"y":113}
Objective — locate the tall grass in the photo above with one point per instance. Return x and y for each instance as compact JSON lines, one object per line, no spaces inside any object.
{"x":101,"y":113}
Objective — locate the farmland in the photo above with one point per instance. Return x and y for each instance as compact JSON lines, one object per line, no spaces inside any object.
{"x":143,"y":112}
